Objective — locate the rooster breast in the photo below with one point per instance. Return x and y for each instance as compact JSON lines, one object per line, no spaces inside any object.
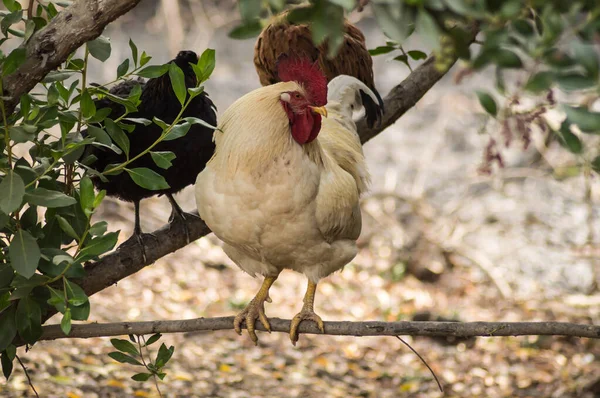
{"x":272,"y":218}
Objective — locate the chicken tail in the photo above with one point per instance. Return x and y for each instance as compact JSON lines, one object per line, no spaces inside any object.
{"x":350,"y":93}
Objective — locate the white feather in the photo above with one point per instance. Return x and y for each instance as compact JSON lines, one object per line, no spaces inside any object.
{"x":345,"y":89}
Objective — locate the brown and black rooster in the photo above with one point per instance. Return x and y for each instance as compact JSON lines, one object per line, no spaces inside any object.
{"x":353,"y":59}
{"x":192,"y":151}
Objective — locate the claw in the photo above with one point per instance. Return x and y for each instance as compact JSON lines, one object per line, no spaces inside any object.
{"x":139,"y":237}
{"x":307,"y":313}
{"x":255,"y":310}
{"x":304,"y":315}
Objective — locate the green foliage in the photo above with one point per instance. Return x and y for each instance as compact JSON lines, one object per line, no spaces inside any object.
{"x":47,"y":199}
{"x":139,"y":355}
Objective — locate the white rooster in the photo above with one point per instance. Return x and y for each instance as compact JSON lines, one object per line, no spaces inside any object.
{"x":282,"y":189}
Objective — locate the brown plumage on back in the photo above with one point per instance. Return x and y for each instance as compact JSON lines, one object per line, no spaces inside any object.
{"x":353,"y":59}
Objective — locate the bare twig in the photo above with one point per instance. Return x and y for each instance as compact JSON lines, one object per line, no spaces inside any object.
{"x":27,"y":375}
{"x":424,"y":362}
{"x":457,"y":329}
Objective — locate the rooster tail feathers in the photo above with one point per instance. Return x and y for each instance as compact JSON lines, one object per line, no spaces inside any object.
{"x":345,"y":90}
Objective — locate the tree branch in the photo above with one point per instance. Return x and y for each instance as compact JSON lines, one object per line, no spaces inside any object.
{"x":77,"y":24}
{"x":457,"y":329}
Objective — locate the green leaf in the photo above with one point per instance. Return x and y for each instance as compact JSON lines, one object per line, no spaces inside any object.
{"x":164,"y":355}
{"x":573,"y":81}
{"x":250,"y":9}
{"x":153,"y":339}
{"x":139,"y":120}
{"x":86,"y":193}
{"x":147,"y":178}
{"x":99,"y":228}
{"x":177,"y":82}
{"x":123,"y":358}
{"x":123,"y":68}
{"x":428,"y":29}
{"x":75,"y":294}
{"x":29,"y":320}
{"x":587,"y":121}
{"x":10,"y":19}
{"x":508,"y":59}
{"x":125,"y":346}
{"x":178,"y":131}
{"x":541,"y":81}
{"x":82,"y":312}
{"x":153,"y":71}
{"x":20,"y":134}
{"x":24,"y":253}
{"x":163,"y":159}
{"x":417,"y":55}
{"x":247,"y":30}
{"x":195,"y":120}
{"x":98,"y":246}
{"x":381,"y":50}
{"x":206,"y":63}
{"x":586,"y":56}
{"x":487,"y":102}
{"x":99,"y":48}
{"x":568,"y":139}
{"x":7,"y":364}
{"x":47,"y":198}
{"x":134,"y":52}
{"x":8,"y":328}
{"x":99,"y":198}
{"x":145,"y":58}
{"x":100,"y":135}
{"x":395,"y":19}
{"x":13,"y":61}
{"x":65,"y":323}
{"x":6,"y":275}
{"x":523,"y":27}
{"x":141,"y":376}
{"x":118,"y":135}
{"x":88,"y":108}
{"x":66,"y":227}
{"x":12,"y":5}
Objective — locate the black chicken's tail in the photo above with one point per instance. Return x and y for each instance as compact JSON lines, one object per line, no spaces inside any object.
{"x":373,"y":110}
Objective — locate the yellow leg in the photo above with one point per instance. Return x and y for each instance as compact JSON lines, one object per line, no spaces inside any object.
{"x":255,"y":310}
{"x":307,"y":313}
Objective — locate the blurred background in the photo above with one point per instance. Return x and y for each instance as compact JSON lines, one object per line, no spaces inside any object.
{"x":441,"y":240}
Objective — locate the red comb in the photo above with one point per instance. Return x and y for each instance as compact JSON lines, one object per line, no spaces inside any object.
{"x":308,"y":74}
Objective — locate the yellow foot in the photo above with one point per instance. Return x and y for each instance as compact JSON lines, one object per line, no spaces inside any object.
{"x":304,"y":315}
{"x":255,"y":310}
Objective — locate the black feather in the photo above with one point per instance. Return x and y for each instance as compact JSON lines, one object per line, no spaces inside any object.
{"x":159,"y":100}
{"x":192,"y":151}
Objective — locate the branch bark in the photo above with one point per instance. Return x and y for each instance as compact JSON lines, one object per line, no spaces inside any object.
{"x":77,"y":24}
{"x":457,"y":329}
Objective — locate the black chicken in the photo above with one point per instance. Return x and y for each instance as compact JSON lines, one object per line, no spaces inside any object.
{"x":192,"y":151}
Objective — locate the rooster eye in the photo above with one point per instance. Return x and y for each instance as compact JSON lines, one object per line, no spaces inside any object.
{"x":297,"y":95}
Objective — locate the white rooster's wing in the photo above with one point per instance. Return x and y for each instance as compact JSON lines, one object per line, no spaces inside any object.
{"x":337,"y":206}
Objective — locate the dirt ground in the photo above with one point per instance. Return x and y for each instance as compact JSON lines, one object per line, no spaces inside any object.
{"x":438,"y":238}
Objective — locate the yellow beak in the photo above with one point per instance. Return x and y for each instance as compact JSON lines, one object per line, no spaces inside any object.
{"x":321,"y":110}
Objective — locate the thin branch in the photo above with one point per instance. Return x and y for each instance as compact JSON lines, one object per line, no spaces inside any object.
{"x":424,"y":362}
{"x":28,"y":378}
{"x":457,"y":329}
{"x":81,"y":22}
